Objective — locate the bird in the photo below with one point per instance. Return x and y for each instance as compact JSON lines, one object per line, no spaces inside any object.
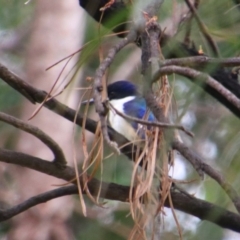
{"x":125,"y":97}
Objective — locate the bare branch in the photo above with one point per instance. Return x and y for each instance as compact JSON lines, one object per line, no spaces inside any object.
{"x":201,"y":209}
{"x":151,"y":59}
{"x":151,"y":124}
{"x":38,"y":164}
{"x":59,"y":157}
{"x":201,"y":61}
{"x":181,"y":201}
{"x":151,"y":55}
{"x":216,"y":89}
{"x":13,"y":82}
{"x":6,"y":214}
{"x":198,"y":163}
{"x":98,"y":87}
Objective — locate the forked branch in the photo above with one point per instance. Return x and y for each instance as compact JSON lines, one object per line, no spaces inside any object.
{"x":59,"y":157}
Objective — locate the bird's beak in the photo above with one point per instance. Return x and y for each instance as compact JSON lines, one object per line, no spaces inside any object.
{"x":88,"y":101}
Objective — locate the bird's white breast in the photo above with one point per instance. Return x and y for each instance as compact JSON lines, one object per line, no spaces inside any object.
{"x":118,"y":123}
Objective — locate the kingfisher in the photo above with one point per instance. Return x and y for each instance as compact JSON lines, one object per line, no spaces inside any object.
{"x":125,"y":97}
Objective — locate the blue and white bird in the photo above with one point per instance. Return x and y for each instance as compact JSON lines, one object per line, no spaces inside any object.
{"x":125,"y":97}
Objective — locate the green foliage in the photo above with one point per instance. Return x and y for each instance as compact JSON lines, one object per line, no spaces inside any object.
{"x":13,"y":13}
{"x":9,"y":98}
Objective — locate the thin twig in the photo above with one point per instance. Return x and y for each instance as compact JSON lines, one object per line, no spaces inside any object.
{"x":152,"y":124}
{"x":59,"y":157}
{"x":203,"y":29}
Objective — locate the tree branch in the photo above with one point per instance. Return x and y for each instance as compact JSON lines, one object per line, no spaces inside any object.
{"x":59,"y":157}
{"x":6,"y":214}
{"x":202,"y":61}
{"x":181,"y":201}
{"x":151,"y":57}
{"x":196,"y":160}
{"x":151,"y":124}
{"x":206,"y":82}
{"x":98,"y":86}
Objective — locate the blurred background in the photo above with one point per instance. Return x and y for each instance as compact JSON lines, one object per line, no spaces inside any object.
{"x":37,"y":34}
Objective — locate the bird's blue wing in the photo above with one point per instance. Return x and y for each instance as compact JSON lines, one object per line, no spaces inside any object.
{"x":137,"y":108}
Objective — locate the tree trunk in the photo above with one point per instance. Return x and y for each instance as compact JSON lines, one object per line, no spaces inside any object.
{"x":55,"y":34}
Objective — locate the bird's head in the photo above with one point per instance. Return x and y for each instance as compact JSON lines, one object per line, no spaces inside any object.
{"x":118,"y":90}
{"x":121,"y":89}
